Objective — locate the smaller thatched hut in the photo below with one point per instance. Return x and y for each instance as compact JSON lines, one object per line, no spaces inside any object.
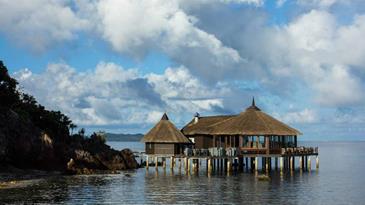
{"x":165,"y":139}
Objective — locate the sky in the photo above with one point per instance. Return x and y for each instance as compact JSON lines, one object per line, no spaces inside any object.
{"x":117,"y":66}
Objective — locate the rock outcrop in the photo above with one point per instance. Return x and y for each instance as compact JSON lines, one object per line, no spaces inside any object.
{"x":25,"y":146}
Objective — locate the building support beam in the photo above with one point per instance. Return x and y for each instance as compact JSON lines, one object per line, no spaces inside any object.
{"x":256,"y":164}
{"x":147,"y":163}
{"x":317,"y":162}
{"x":172,"y":162}
{"x":301,"y":163}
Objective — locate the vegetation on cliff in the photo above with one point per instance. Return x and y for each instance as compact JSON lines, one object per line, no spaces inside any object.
{"x":32,"y":137}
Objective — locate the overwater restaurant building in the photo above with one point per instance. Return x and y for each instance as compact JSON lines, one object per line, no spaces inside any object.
{"x":165,"y":139}
{"x":252,"y":131}
{"x":250,"y":135}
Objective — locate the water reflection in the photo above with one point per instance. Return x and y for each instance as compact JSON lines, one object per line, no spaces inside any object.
{"x":335,"y":183}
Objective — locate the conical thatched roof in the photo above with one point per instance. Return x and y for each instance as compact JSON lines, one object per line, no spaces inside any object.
{"x":253,"y":122}
{"x":165,"y":132}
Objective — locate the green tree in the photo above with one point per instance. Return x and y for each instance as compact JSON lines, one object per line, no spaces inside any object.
{"x":8,"y":90}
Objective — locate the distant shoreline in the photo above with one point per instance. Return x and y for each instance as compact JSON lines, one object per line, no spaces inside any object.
{"x":111,"y":137}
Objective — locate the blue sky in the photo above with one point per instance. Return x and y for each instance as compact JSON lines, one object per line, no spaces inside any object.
{"x":118,"y":65}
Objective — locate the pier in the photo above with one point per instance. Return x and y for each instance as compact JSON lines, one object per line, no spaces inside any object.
{"x":283,"y":162}
{"x":251,"y":141}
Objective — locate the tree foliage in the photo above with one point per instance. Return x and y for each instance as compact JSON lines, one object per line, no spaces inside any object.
{"x":26,"y":106}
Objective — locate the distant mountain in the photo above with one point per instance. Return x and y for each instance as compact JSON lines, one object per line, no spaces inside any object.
{"x":123,"y":137}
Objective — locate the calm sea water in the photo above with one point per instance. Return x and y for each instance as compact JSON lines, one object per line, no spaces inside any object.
{"x":340,"y":180}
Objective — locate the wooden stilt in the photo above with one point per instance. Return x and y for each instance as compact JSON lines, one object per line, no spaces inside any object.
{"x":229,"y":165}
{"x":210,"y":169}
{"x":301,"y":163}
{"x":291,"y":163}
{"x":240,"y":163}
{"x":309,"y":164}
{"x":246,"y":164}
{"x":235,"y":165}
{"x":225,"y":164}
{"x":156,"y":162}
{"x":147,"y":163}
{"x":276,"y":163}
{"x":214,"y":165}
{"x":317,"y":162}
{"x":197,"y":165}
{"x":172,"y":159}
{"x":186,"y":164}
{"x":281,"y":164}
{"x":180,"y":164}
{"x":267,"y":161}
{"x":256,"y":164}
{"x":305,"y":163}
{"x":164,"y":163}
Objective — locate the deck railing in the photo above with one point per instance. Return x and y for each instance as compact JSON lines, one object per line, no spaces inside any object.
{"x":235,"y":152}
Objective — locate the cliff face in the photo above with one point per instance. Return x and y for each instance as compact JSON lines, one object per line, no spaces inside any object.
{"x":32,"y":137}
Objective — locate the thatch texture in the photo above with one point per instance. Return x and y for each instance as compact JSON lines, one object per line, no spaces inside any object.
{"x":165,"y":132}
{"x":252,"y":122}
{"x":205,"y":125}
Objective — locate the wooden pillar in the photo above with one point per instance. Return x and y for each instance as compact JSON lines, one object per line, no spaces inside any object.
{"x":317,"y":162}
{"x":210,"y":169}
{"x":267,"y":144}
{"x":156,"y":162}
{"x":225,"y":164}
{"x":147,"y":163}
{"x":179,"y":163}
{"x":256,"y":164}
{"x":252,"y":163}
{"x":281,"y":164}
{"x":246,"y":164}
{"x":171,"y":162}
{"x":214,"y":166}
{"x":164,"y":163}
{"x":267,"y":164}
{"x":291,"y":163}
{"x":240,"y":163}
{"x":276,"y":163}
{"x":301,"y":163}
{"x":186,"y":163}
{"x":229,"y":165}
{"x":309,"y":164}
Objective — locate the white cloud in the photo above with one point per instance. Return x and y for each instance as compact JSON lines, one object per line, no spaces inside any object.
{"x":280,"y":3}
{"x":321,"y":3}
{"x":113,"y":95}
{"x":40,"y":23}
{"x":303,"y":116}
{"x":137,"y":27}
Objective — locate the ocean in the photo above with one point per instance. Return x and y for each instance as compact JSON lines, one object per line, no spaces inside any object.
{"x":339,"y":180}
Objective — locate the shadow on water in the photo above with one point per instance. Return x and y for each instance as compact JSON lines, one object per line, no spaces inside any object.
{"x":339,"y":181}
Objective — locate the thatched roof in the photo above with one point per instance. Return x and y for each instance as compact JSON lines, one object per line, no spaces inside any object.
{"x":204,"y":125}
{"x":165,"y":132}
{"x":250,"y":122}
